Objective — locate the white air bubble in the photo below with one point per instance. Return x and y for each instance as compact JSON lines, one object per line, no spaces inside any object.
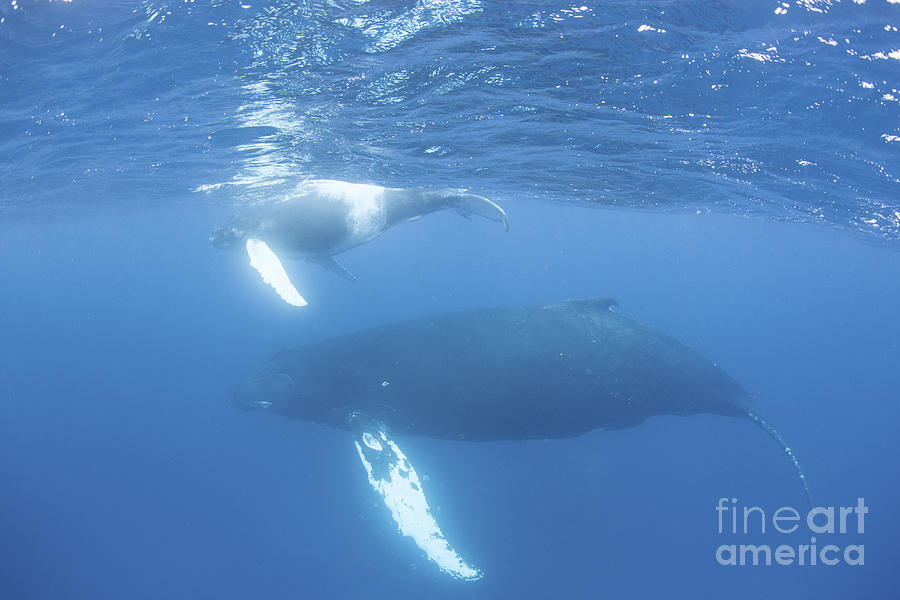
{"x":370,"y":441}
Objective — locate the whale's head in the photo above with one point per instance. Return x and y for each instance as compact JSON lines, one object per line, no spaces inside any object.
{"x":293,"y":384}
{"x":230,"y":235}
{"x":274,"y":392}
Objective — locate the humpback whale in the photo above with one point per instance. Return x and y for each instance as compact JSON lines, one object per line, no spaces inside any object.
{"x":322,"y":218}
{"x":534,"y":372}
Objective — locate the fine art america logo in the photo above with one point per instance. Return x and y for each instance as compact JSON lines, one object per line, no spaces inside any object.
{"x":822,"y":524}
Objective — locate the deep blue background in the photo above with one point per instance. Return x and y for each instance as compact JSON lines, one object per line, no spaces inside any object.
{"x":126,"y":474}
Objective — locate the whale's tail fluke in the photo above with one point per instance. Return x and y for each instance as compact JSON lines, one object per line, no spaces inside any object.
{"x":472,"y":204}
{"x":773,"y":433}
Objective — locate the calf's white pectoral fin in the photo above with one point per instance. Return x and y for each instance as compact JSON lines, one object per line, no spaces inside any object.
{"x":394,"y":478}
{"x":269,"y":267}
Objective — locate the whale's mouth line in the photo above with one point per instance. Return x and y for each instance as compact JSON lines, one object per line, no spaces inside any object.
{"x":269,"y":391}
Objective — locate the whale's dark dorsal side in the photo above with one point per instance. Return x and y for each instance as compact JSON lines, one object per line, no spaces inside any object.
{"x":531,"y":372}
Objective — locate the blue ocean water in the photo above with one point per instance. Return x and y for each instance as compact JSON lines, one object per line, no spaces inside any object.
{"x":726,"y":170}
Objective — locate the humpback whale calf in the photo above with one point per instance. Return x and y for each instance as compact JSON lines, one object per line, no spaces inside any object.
{"x":535,"y":372}
{"x":322,"y":218}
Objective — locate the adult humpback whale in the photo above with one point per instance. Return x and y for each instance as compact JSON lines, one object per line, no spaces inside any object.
{"x":499,"y":374}
{"x":322,"y":218}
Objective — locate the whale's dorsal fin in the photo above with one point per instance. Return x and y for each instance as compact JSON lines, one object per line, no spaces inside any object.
{"x":269,"y":267}
{"x":599,"y":304}
{"x":393,"y":477}
{"x":328,"y":263}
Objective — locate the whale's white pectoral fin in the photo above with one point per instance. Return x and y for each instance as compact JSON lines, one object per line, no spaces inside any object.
{"x":393,"y":477}
{"x":467,"y":204}
{"x":266,"y":262}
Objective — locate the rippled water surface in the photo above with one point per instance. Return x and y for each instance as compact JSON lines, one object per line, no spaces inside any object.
{"x":781,"y":111}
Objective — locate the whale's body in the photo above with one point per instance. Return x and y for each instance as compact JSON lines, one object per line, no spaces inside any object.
{"x":498,"y":374}
{"x":322,"y":218}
